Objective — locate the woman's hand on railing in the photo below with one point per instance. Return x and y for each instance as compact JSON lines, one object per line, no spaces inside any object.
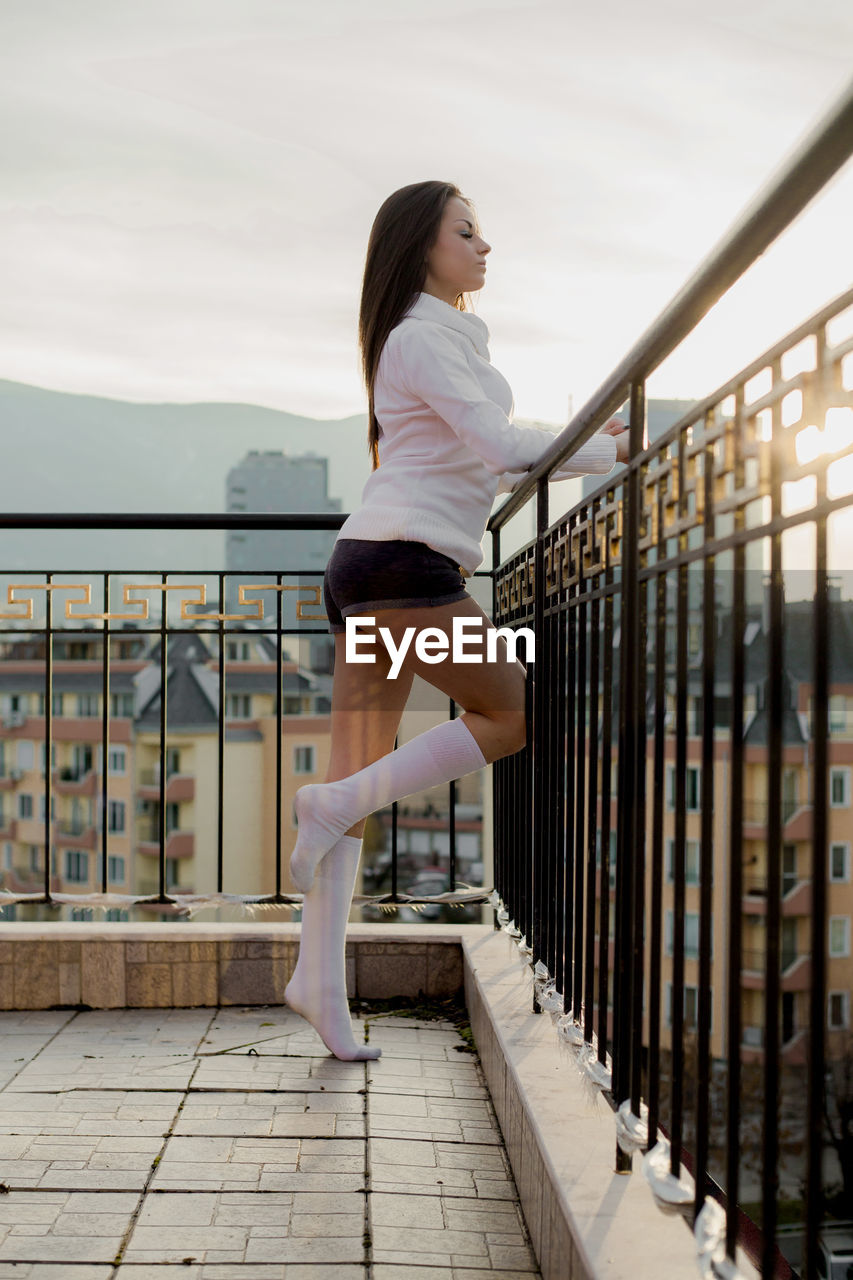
{"x":618,"y":428}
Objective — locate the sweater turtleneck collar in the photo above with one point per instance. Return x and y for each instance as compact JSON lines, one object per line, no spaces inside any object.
{"x":427,"y":307}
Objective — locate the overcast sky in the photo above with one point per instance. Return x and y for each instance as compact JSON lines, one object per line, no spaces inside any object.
{"x":188,"y":185}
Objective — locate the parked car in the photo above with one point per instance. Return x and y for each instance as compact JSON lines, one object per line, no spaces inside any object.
{"x":429,"y":884}
{"x":835,"y":1252}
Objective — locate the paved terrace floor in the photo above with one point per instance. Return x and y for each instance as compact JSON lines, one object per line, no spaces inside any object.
{"x":226,"y":1144}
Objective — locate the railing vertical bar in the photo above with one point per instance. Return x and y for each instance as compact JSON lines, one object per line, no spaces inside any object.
{"x":572,"y":850}
{"x":279,"y":728}
{"x":593,"y":825}
{"x":545,"y":903}
{"x":538,"y":884}
{"x":499,"y":773}
{"x":635,"y":694}
{"x":735,"y":868}
{"x":772,"y":981}
{"x":105,"y":737}
{"x":620,"y":960}
{"x":580,"y":843}
{"x":706,"y":871}
{"x":48,"y":730}
{"x":164,"y":671}
{"x":220,"y":744}
{"x":657,"y":850}
{"x":604,"y":1030}
{"x":818,"y":1013}
{"x":679,"y":848}
{"x":559,"y":798}
{"x":451,"y":833}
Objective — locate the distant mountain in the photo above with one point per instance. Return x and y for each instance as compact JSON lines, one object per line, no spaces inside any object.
{"x":65,"y":452}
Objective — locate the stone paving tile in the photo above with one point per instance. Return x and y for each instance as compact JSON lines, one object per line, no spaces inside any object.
{"x":61,"y":1072}
{"x":259,"y":1271}
{"x":55,"y":1271}
{"x":25,"y":1022}
{"x":89,"y":1112}
{"x":63,"y":1226}
{"x":228,"y":1228}
{"x":125,"y":1032}
{"x":267,"y":1073}
{"x":263,"y":1175}
{"x":297,"y":1115}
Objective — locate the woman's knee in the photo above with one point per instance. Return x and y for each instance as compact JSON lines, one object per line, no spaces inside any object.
{"x":512,"y":734}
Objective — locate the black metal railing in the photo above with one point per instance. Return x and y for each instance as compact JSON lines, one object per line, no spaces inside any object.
{"x":716,"y":503}
{"x":167,"y":626}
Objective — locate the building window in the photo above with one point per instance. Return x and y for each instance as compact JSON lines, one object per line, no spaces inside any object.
{"x":238,"y":651}
{"x":25,"y":805}
{"x":43,"y":807}
{"x":238,"y":706}
{"x":56,"y":704}
{"x":837,"y":713}
{"x":35,"y":858}
{"x":291,"y":705}
{"x":691,"y":861}
{"x":115,"y":870}
{"x":303,"y":760}
{"x":839,"y":862}
{"x":87,"y":705}
{"x":838,"y":1010}
{"x":173,"y":872}
{"x":691,"y":934}
{"x":173,"y":761}
{"x":693,"y":790}
{"x":691,"y":1007}
{"x":839,"y":788}
{"x":121,"y":705}
{"x":789,"y":867}
{"x":76,"y":866}
{"x":26,"y":756}
{"x":839,"y":935}
{"x":117,"y":760}
{"x":7,"y":856}
{"x":116,"y":817}
{"x":789,"y":794}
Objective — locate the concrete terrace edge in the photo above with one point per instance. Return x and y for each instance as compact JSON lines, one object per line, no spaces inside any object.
{"x":586,"y":1222}
{"x":115,"y":965}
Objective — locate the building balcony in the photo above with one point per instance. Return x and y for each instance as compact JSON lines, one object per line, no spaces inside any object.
{"x":179,"y":844}
{"x":78,"y":834}
{"x":74,"y":782}
{"x":179,"y":786}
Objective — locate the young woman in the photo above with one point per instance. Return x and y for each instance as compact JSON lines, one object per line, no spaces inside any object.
{"x":440,"y":426}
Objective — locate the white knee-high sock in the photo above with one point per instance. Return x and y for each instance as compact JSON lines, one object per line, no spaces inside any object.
{"x":325,"y":810}
{"x":318,"y":988}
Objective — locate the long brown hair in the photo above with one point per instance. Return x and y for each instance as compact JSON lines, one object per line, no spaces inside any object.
{"x":404,"y":230}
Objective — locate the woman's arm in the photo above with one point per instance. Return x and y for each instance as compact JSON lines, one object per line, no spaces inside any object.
{"x":597,"y":456}
{"x":430,"y":365}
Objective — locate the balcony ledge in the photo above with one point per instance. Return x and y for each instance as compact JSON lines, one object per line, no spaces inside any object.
{"x":585,"y":1220}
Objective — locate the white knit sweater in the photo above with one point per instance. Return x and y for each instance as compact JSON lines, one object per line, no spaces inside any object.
{"x":447,"y":445}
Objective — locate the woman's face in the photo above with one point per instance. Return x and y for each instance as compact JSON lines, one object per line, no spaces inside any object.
{"x":456,"y":263}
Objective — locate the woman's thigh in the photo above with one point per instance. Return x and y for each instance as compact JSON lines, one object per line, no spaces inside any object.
{"x":494,"y":688}
{"x":366,"y":712}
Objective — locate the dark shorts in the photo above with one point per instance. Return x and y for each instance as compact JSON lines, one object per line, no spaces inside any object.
{"x":362,"y":575}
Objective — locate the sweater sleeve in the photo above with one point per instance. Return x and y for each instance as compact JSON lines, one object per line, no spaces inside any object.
{"x":431,"y":367}
{"x":597,"y":456}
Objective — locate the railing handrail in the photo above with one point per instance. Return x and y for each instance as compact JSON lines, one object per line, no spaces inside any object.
{"x":172,"y":520}
{"x":819,"y":155}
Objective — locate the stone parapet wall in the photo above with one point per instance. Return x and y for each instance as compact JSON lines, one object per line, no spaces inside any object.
{"x":183,"y":965}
